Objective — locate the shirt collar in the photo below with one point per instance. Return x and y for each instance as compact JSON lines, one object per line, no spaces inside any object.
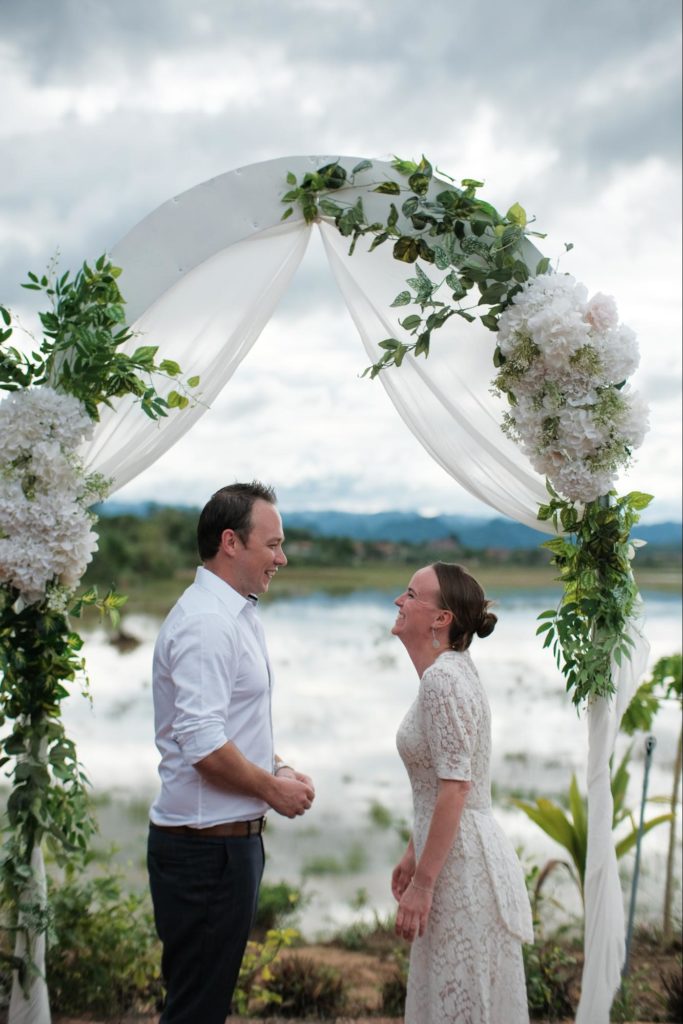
{"x":226,"y":594}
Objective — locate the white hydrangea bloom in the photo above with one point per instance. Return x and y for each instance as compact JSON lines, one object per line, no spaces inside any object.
{"x":601,"y":312}
{"x":46,"y":536}
{"x":618,"y":351}
{"x":633,"y":424}
{"x":578,"y":433}
{"x":564,"y":358}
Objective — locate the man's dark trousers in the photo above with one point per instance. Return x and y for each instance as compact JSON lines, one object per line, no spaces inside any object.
{"x":204,"y":892}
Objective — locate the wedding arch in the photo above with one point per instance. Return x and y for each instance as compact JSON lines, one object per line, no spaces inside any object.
{"x":202,"y":275}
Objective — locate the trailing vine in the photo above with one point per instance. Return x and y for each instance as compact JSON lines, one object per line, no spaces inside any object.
{"x":46,"y":539}
{"x":480,"y":253}
{"x":588,"y":630}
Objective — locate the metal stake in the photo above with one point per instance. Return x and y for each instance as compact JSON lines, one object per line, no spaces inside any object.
{"x":650,"y":744}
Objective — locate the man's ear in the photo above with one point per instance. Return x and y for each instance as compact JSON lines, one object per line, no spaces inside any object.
{"x":229,"y":543}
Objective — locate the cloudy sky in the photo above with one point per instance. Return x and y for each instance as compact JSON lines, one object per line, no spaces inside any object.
{"x":110,"y":107}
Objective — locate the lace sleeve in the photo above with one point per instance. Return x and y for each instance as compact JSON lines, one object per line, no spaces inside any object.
{"x":449,"y":714}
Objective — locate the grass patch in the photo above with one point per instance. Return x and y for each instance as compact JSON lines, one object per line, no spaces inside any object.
{"x":327,"y":864}
{"x":157,"y":596}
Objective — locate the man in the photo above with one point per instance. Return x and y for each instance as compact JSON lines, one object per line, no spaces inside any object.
{"x":212,"y":684}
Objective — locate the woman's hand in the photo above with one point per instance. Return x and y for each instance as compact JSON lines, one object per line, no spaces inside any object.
{"x":413,"y":911}
{"x":402,"y":873}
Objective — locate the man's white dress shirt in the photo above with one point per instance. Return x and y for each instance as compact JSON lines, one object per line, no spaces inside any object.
{"x":211,"y":684}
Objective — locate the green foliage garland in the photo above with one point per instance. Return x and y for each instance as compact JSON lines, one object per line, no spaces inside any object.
{"x":481,"y":254}
{"x":80,"y":351}
{"x":484,"y":259}
{"x":40,"y":660}
{"x":588,"y":629}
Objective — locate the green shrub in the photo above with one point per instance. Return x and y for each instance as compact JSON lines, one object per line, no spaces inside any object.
{"x":306,"y":989}
{"x":394,"y":988}
{"x":252,"y":990}
{"x":380,"y":815}
{"x":328,"y":864}
{"x":673,"y":987}
{"x":549,"y":971}
{"x":104,"y":955}
{"x":276,"y":903}
{"x":375,"y":936}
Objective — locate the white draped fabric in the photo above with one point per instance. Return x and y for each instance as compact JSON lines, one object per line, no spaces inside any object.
{"x":32,"y":1007}
{"x":604,"y":943}
{"x":203,"y":274}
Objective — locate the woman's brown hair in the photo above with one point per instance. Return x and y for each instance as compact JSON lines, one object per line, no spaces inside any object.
{"x":463,"y":596}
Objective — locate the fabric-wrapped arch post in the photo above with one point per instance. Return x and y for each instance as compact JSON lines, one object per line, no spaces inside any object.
{"x":203,"y":274}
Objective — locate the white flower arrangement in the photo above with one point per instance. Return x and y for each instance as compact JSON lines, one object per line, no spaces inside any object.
{"x":565,"y":360}
{"x":46,"y":536}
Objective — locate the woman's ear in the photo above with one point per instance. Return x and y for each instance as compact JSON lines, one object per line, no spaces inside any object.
{"x":444,"y":618}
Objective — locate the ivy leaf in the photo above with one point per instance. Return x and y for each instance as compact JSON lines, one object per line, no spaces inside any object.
{"x":364,"y":165}
{"x":309,"y":207}
{"x":457,"y":287}
{"x":404,"y":166}
{"x":517,"y":214}
{"x":419,"y":183}
{"x":425,"y":251}
{"x":399,"y":354}
{"x":388,"y":188}
{"x":144,"y":355}
{"x":170,"y":367}
{"x":406,"y":249}
{"x":379,"y":240}
{"x":494,"y":293}
{"x":402,"y":299}
{"x":638,"y":499}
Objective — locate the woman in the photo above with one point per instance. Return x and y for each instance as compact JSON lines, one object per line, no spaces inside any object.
{"x":462,"y":901}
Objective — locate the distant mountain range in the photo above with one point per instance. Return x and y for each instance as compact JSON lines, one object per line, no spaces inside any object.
{"x":471,"y":532}
{"x":412,"y":527}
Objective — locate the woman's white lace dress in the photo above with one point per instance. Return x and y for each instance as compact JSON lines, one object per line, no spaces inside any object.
{"x":467,"y":968}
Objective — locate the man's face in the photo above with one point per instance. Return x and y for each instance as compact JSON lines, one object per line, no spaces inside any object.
{"x":257,"y":560}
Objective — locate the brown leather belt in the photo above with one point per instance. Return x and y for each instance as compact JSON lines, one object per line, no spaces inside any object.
{"x":227,"y":829}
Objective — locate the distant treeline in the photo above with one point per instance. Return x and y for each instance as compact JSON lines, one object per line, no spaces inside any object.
{"x":162,"y":544}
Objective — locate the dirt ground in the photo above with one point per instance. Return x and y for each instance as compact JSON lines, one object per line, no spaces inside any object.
{"x":365,"y":972}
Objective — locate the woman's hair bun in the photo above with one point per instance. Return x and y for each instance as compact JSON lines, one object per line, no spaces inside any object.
{"x":487,"y":624}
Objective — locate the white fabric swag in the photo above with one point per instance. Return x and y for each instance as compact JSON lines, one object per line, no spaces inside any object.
{"x":203,"y":274}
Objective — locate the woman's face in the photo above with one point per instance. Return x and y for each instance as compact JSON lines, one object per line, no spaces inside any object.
{"x":418,"y":607}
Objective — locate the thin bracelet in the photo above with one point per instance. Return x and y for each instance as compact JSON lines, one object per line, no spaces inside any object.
{"x":281,"y":764}
{"x":421,"y":888}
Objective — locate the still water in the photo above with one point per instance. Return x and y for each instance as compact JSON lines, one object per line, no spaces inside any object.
{"x":342,"y":685}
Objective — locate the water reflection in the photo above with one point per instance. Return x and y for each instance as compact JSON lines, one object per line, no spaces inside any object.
{"x":343,"y":684}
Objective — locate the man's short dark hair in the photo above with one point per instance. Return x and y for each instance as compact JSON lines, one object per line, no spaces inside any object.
{"x":229,"y":509}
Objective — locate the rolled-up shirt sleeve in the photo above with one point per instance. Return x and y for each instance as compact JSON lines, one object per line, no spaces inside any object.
{"x":203,"y":662}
